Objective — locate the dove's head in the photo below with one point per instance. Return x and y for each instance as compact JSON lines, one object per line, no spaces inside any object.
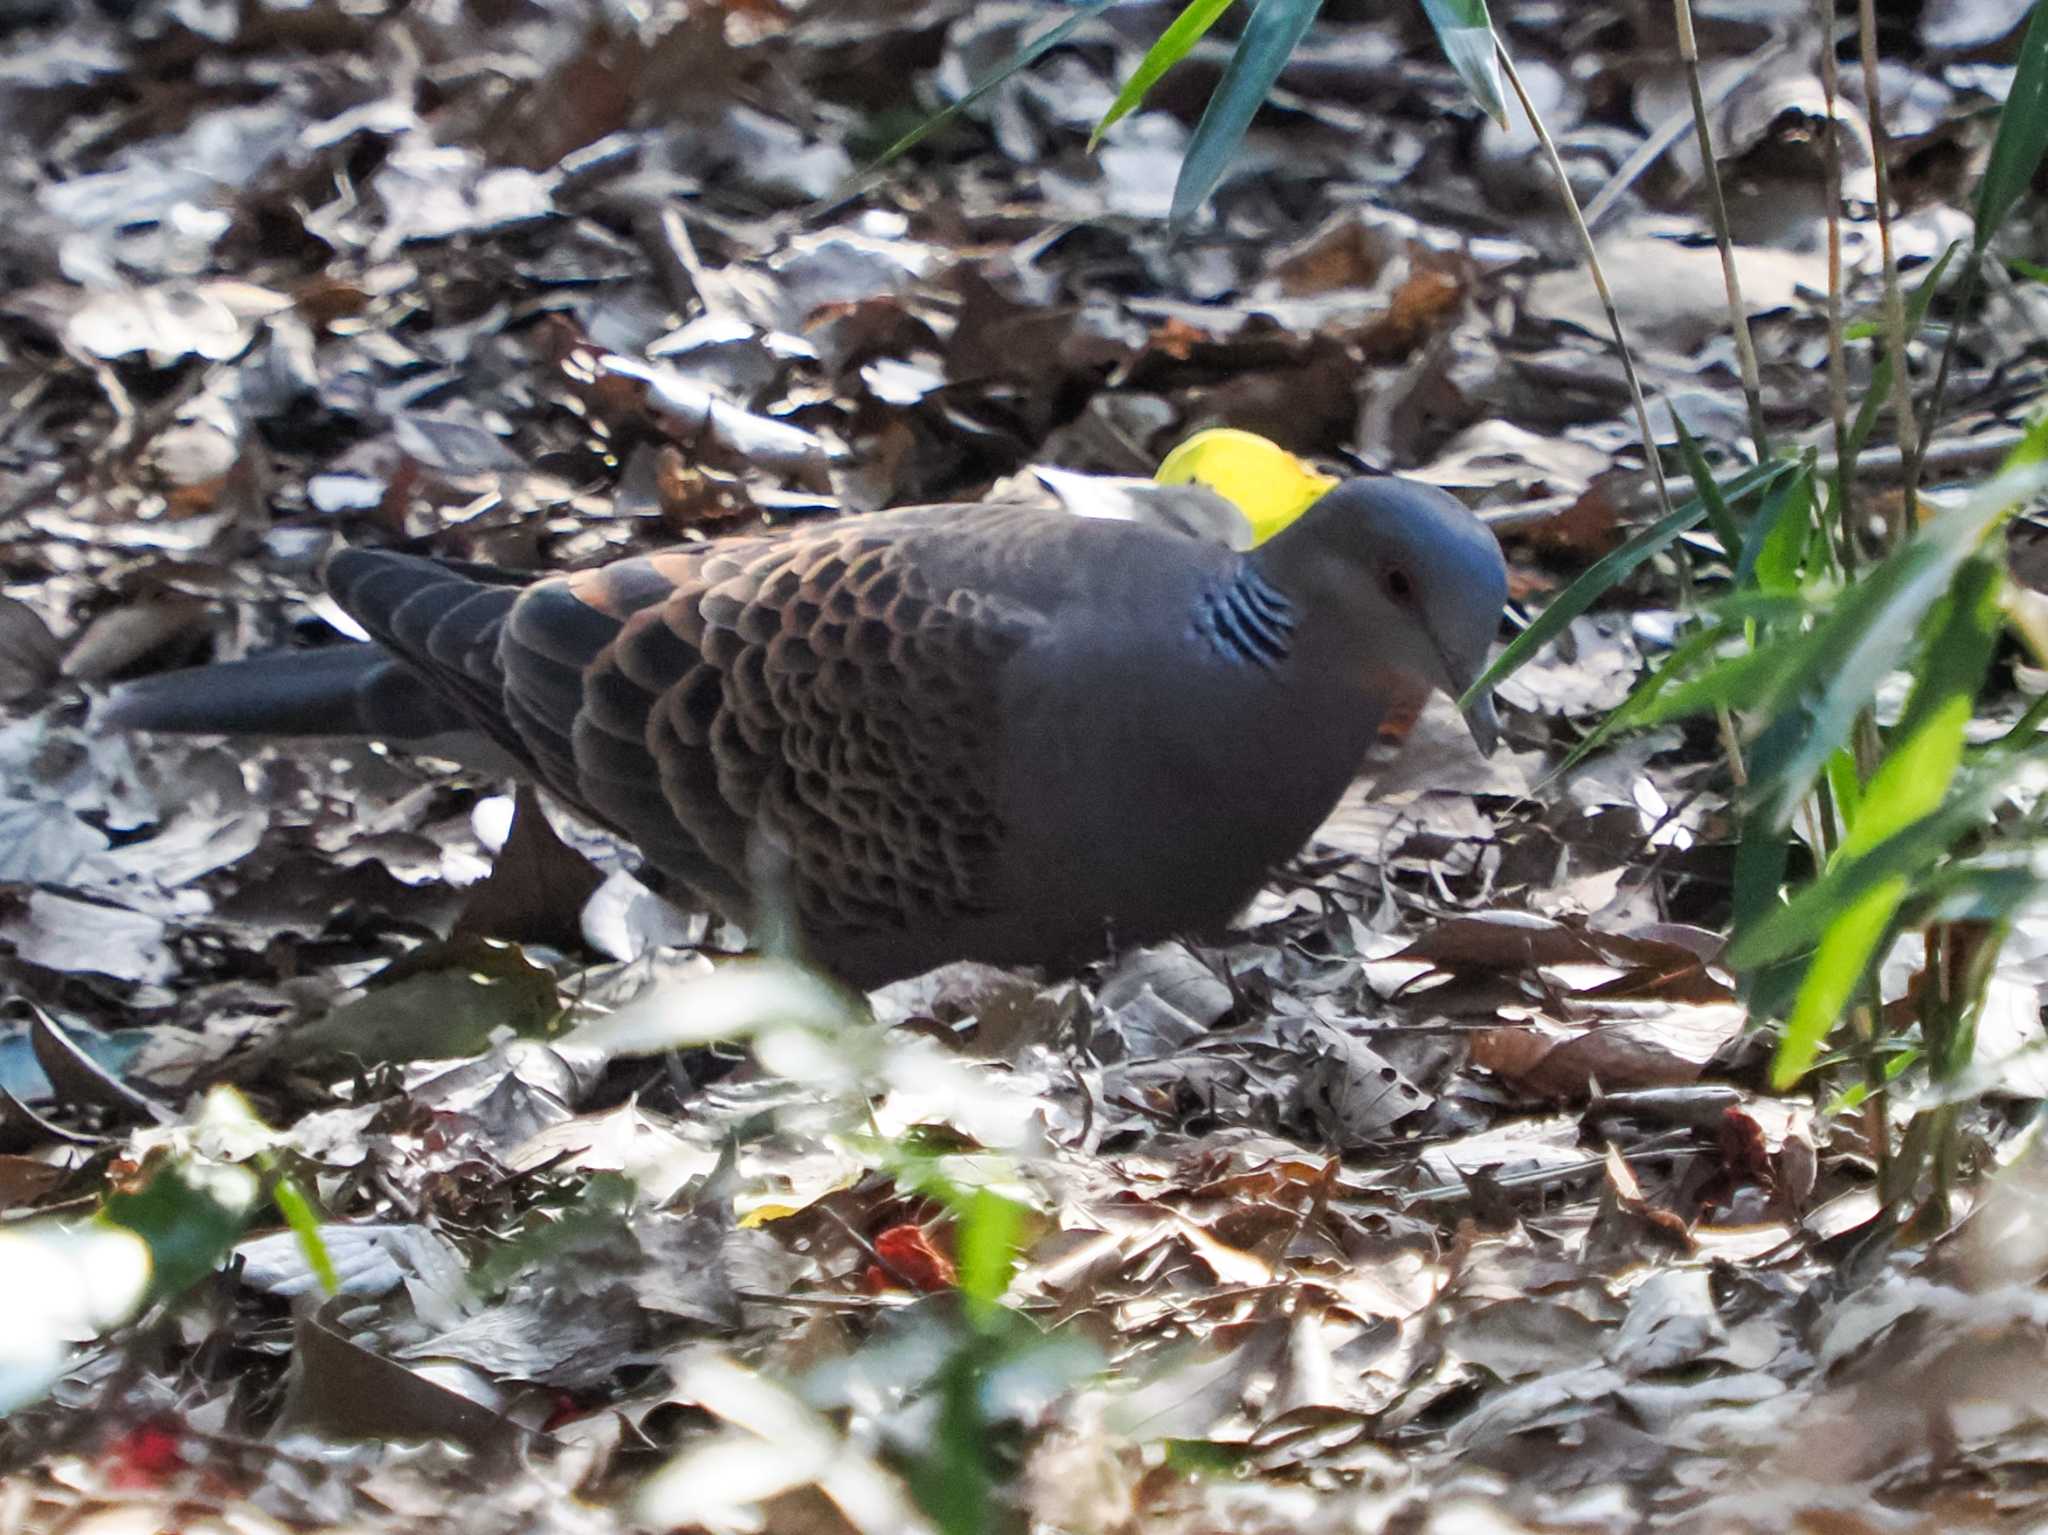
{"x":1418,"y":581}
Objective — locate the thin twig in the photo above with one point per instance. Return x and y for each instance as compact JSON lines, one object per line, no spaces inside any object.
{"x":1876,"y":1115}
{"x":1894,"y":299}
{"x":1670,"y":131}
{"x":1838,"y":361}
{"x":1966,"y":292}
{"x":1571,"y":202}
{"x":1717,"y":209}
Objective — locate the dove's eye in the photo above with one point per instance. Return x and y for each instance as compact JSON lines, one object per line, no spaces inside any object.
{"x":1399,"y":584}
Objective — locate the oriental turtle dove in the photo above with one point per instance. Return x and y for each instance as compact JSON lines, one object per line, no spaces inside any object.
{"x":994,"y":732}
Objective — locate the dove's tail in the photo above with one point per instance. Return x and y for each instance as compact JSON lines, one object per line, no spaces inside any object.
{"x":340,"y":690}
{"x":442,"y":616}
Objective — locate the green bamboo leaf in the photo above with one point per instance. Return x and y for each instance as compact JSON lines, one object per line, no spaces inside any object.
{"x":1029,"y":54}
{"x":1775,"y":610}
{"x":1173,"y":46}
{"x":1753,"y":679}
{"x":1648,"y":702}
{"x":190,"y":1214}
{"x":1728,"y":621}
{"x":2022,"y":134}
{"x":1465,"y":33}
{"x":1778,"y":539}
{"x":952,"y":1476}
{"x":1873,"y":625}
{"x":2032,"y":447}
{"x":1911,"y":853}
{"x":1634,"y":709}
{"x":1608,"y":571}
{"x":1761,"y":855}
{"x":1845,"y":783}
{"x":1831,"y":978}
{"x":1900,"y":823}
{"x":1269,"y":40}
{"x":1719,"y":518}
{"x":304,"y":1220}
{"x":1928,"y":740}
{"x":1907,"y":792}
{"x":1879,"y":391}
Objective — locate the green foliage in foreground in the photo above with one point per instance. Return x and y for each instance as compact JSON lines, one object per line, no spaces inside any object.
{"x":1925,"y":825}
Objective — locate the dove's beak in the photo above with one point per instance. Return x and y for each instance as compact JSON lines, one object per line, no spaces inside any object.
{"x":1483,"y":723}
{"x":1477,"y":707}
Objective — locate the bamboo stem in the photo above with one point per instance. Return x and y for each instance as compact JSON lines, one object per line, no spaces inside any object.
{"x":1717,"y":209}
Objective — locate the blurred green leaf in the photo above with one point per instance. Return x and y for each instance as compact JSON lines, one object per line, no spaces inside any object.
{"x":1906,"y":792}
{"x":2032,"y":448}
{"x":1878,"y":392}
{"x":1779,"y":537}
{"x":1206,"y":1457}
{"x":1840,"y":664}
{"x":1845,"y":784}
{"x":1903,"y":793}
{"x":1027,"y":55}
{"x":1761,"y":856}
{"x":2024,"y":731}
{"x":1608,"y":571}
{"x":1465,"y":33}
{"x":304,"y":1221}
{"x":1634,"y":710}
{"x":189,"y":1216}
{"x":2022,"y":134}
{"x":1832,"y":976}
{"x":1912,"y":850}
{"x":1172,"y":46}
{"x":1985,"y":887}
{"x":954,"y":1480}
{"x":993,"y":1378}
{"x":1269,"y":40}
{"x":1896,"y":1058}
{"x":1928,"y":740}
{"x":1750,"y":679}
{"x":986,"y":1229}
{"x":1709,"y":491}
{"x":1775,"y":609}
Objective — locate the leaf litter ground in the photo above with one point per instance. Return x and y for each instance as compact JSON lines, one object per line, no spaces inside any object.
{"x":1445,"y":1198}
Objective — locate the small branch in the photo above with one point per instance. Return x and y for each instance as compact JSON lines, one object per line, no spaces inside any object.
{"x":1838,"y":361}
{"x":1670,"y":131}
{"x":1904,"y":427}
{"x":1717,"y":208}
{"x":1966,"y":292}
